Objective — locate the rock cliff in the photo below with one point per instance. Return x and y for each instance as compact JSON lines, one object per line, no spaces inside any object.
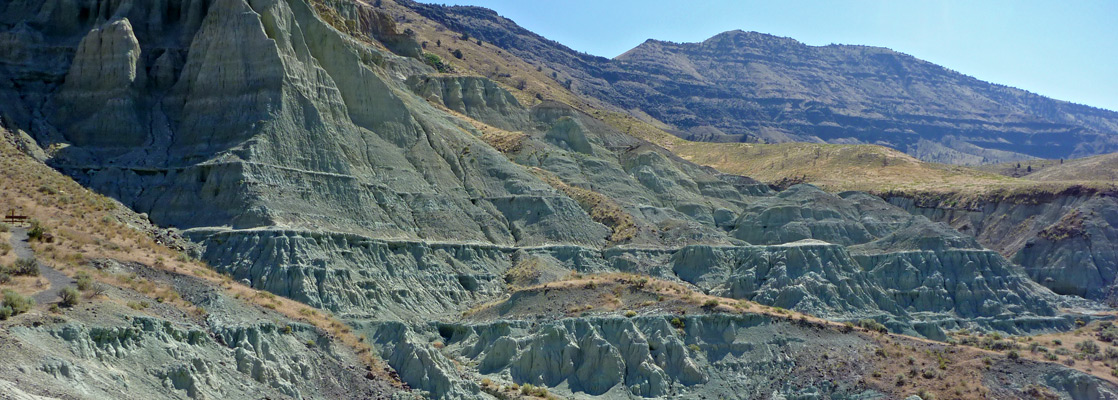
{"x":1065,"y":241}
{"x":316,"y":156}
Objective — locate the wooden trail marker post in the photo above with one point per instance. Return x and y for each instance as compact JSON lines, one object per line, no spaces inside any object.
{"x":15,"y":219}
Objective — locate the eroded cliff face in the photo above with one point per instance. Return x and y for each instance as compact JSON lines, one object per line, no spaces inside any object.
{"x":1067,"y":242}
{"x":321,"y":167}
{"x":658,"y":357}
{"x":105,"y":349}
{"x":316,"y":164}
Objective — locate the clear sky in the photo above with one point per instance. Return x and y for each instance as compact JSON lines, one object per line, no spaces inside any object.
{"x":1065,"y":49}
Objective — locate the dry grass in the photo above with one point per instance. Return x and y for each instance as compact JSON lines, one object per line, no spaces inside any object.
{"x":526,"y":81}
{"x":875,"y":169}
{"x":26,"y":285}
{"x":903,"y":366}
{"x":601,"y":208}
{"x":1103,"y":368}
{"x":1098,"y":168}
{"x":84,"y":228}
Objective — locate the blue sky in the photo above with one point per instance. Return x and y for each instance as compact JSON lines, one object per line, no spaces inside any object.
{"x":1067,"y":50}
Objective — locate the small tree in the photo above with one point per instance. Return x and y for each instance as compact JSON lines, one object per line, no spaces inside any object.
{"x":457,"y":53}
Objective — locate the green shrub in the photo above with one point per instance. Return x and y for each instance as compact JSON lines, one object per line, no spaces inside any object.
{"x":1111,"y":353}
{"x":436,"y":62}
{"x":19,"y":304}
{"x":872,"y":325}
{"x":84,"y":281}
{"x":710,"y":303}
{"x":630,"y":313}
{"x":1108,"y":334}
{"x":70,"y":296}
{"x":6,"y":312}
{"x":677,"y":323}
{"x":1013,"y":355}
{"x":1087,"y":347}
{"x":38,"y":232}
{"x":25,"y":267}
{"x":5,"y":277}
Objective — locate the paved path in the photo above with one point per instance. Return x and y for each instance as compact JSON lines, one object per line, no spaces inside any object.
{"x":56,"y":279}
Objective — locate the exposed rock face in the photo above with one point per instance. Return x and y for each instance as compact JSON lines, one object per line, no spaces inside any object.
{"x":918,"y":288}
{"x":1066,"y":242}
{"x":747,"y":86}
{"x":313,"y":164}
{"x":98,"y":106}
{"x":237,"y":351}
{"x":649,"y":357}
{"x":619,"y":357}
{"x":478,"y":98}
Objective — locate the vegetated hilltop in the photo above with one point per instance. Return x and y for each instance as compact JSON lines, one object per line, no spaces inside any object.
{"x":314,"y":150}
{"x":1098,"y":168}
{"x":112,"y":302}
{"x":747,"y":86}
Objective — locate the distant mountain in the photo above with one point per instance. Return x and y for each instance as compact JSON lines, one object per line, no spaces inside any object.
{"x":748,"y":86}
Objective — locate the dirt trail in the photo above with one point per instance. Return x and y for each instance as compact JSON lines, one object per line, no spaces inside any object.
{"x":57,"y":280}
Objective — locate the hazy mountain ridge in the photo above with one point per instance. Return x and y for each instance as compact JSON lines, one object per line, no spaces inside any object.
{"x":744,"y":86}
{"x":425,"y":209}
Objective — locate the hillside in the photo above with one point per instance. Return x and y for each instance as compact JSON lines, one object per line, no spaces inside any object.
{"x":145,"y":312}
{"x":746,"y":86}
{"x":1004,"y":214}
{"x":365,"y":176}
{"x":1098,"y":168}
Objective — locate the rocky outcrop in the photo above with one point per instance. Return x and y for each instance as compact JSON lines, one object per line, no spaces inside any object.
{"x":668,"y":356}
{"x":86,"y":355}
{"x":617,"y":357}
{"x":917,"y":292}
{"x":98,"y":102}
{"x":1065,"y":242}
{"x":306,"y":160}
{"x":478,"y":98}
